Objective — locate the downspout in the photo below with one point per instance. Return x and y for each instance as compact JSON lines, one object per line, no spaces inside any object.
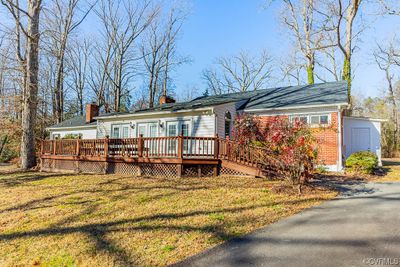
{"x":340,"y":163}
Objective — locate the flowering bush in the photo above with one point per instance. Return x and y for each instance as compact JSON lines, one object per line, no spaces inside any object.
{"x":246,"y":130}
{"x":289,"y":148}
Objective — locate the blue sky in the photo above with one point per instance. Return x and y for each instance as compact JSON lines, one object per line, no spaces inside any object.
{"x":224,"y":27}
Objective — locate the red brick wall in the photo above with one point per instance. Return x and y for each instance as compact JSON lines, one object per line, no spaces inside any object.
{"x":327,"y":139}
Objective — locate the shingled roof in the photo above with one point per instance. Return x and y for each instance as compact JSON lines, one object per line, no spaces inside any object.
{"x":279,"y":97}
{"x":78,"y":121}
{"x":331,"y":93}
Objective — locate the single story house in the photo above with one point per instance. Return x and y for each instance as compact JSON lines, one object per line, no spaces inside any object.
{"x":320,"y":105}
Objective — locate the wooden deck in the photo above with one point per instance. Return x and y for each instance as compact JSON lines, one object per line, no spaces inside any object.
{"x":178,"y":150}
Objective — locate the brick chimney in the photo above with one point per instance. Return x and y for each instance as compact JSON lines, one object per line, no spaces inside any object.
{"x":166,"y":99}
{"x":92,"y":110}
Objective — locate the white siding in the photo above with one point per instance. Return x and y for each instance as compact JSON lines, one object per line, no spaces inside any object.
{"x":220,"y":112}
{"x":200,"y":125}
{"x":374,"y":142}
{"x":86,"y":133}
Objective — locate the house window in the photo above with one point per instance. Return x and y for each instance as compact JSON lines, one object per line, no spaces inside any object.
{"x":120,"y":131}
{"x":115,"y":132}
{"x":302,"y":118}
{"x":147,"y":129}
{"x":153,"y":130}
{"x":228,"y":122}
{"x":185,"y":129}
{"x":142,"y":130}
{"x":312,"y":119}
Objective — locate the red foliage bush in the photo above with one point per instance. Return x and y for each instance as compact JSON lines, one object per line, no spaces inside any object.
{"x":289,"y":147}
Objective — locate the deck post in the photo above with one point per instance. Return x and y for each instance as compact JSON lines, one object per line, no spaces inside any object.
{"x":78,"y":148}
{"x":227,"y":147}
{"x":106,"y":146}
{"x":54,"y":147}
{"x":216,"y":146}
{"x":180,"y":146}
{"x":216,"y":170}
{"x":140,"y":146}
{"x":179,"y":170}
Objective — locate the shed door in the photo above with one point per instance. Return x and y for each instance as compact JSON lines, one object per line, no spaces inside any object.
{"x":360,"y":139}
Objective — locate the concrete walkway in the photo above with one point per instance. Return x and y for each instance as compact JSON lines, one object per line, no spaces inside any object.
{"x":363,"y":223}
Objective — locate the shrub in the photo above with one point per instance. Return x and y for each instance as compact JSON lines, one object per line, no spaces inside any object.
{"x":289,"y":148}
{"x":72,"y":136}
{"x":246,"y":129}
{"x":362,"y":162}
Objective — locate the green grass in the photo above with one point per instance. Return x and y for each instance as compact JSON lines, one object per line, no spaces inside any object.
{"x":392,"y":168}
{"x":116,"y":220}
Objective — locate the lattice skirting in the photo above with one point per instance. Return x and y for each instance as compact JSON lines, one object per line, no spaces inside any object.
{"x":91,"y":167}
{"x":123,"y":168}
{"x":193,"y":170}
{"x":164,"y":170}
{"x":54,"y":165}
{"x":228,"y":171}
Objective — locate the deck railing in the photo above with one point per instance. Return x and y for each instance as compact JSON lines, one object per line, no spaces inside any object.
{"x":184,"y":147}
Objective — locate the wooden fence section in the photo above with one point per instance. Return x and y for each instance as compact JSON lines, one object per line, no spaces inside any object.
{"x":176,"y":149}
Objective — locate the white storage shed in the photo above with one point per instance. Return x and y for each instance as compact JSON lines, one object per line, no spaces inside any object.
{"x":362,"y":134}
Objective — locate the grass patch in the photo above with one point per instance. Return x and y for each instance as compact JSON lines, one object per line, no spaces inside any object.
{"x":168,"y":248}
{"x":116,"y":220}
{"x":217,"y":216}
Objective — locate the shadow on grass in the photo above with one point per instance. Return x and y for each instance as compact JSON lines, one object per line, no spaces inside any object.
{"x":97,"y":232}
{"x":22,"y":178}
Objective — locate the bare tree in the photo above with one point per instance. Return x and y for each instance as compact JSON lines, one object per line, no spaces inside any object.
{"x":62,"y":19}
{"x":342,"y":14}
{"x":308,"y":30}
{"x":31,"y":69}
{"x":213,"y":81}
{"x":159,"y":51}
{"x":78,"y":63}
{"x":388,"y":60}
{"x":292,"y":68}
{"x":123,"y":22}
{"x":391,"y":7}
{"x":330,"y":63}
{"x":174,"y":25}
{"x":240,"y":73}
{"x":152,"y":52}
{"x":98,"y":80}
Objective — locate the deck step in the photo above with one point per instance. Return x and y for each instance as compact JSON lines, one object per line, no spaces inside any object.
{"x":249,"y":170}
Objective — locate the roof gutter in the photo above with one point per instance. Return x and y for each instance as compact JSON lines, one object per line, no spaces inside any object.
{"x":70,"y":127}
{"x":143,"y":114}
{"x":364,"y":119}
{"x":296,"y":107}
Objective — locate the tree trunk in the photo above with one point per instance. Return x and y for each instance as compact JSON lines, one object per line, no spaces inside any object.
{"x":310,"y":69}
{"x":59,"y":91}
{"x":347,"y":74}
{"x":28,"y":154}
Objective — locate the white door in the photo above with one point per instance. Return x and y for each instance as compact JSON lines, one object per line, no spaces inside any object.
{"x":360,"y":139}
{"x":120,"y":131}
{"x":147,"y":129}
{"x":174,"y":128}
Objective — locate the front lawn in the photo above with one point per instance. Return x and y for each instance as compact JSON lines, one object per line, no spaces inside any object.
{"x":392,"y":169}
{"x":102,"y":220}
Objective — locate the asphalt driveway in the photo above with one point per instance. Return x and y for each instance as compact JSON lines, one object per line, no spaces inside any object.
{"x":359,"y":228}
